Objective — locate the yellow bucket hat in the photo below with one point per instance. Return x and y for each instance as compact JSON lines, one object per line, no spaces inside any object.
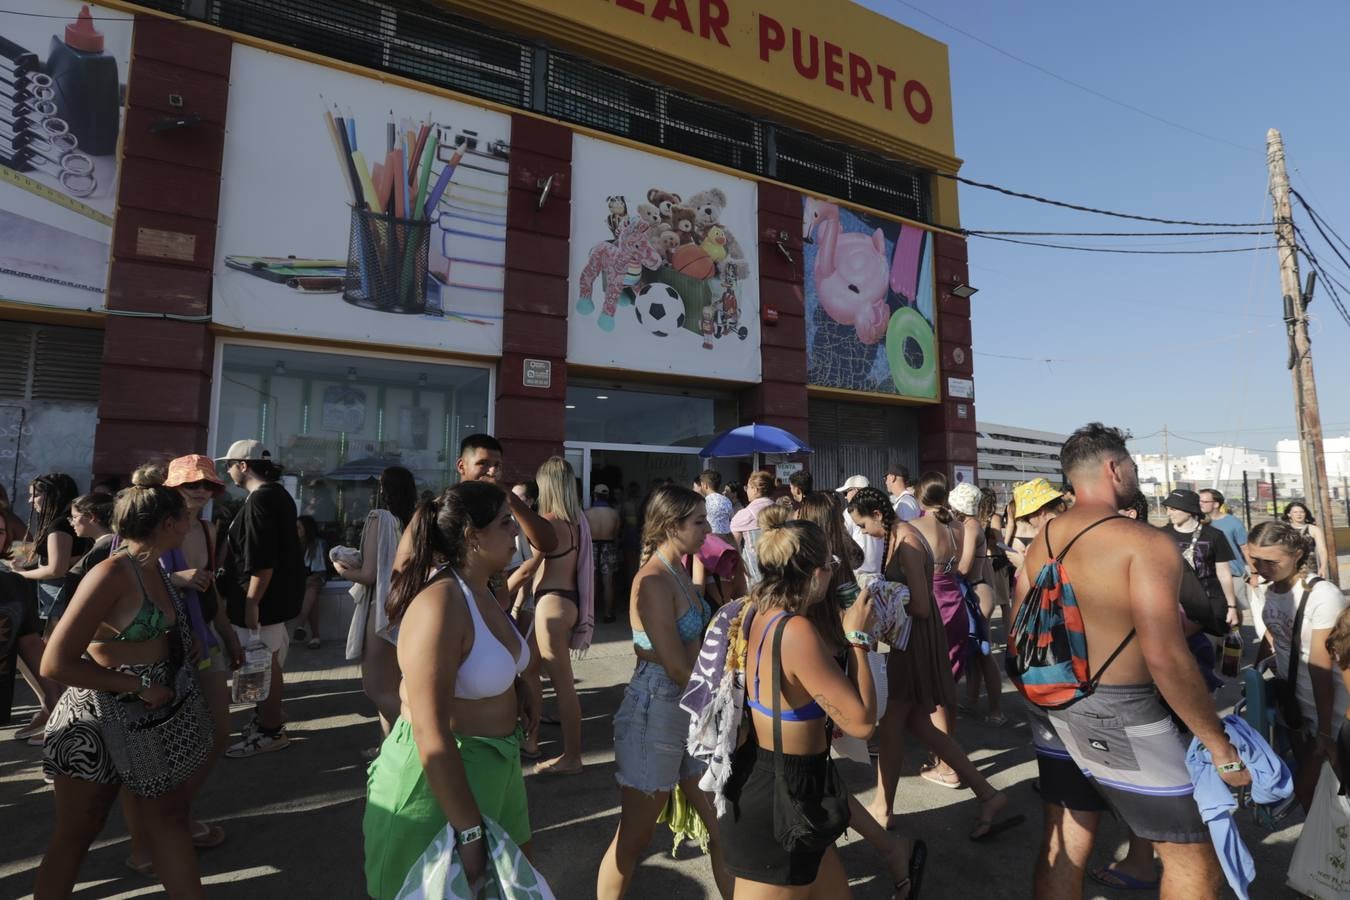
{"x":1030,"y":496}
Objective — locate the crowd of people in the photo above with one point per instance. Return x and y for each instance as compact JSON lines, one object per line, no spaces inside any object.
{"x":773,"y":628}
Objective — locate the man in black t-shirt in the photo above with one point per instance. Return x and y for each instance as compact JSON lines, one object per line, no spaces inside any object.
{"x":264,"y":551}
{"x":1205,"y":548}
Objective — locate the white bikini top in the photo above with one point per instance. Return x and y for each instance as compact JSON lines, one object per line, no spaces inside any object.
{"x":489,"y":670}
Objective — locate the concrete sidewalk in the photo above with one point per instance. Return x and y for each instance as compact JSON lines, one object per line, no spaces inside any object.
{"x":294,"y":817}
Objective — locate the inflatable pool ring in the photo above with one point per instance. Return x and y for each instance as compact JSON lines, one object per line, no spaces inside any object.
{"x":911,"y":352}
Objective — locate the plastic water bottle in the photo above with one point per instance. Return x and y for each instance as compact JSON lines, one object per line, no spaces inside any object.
{"x":253,"y":681}
{"x":1232,"y":654}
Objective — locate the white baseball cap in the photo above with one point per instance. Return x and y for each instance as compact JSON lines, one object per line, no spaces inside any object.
{"x":853,"y":483}
{"x":250,"y":450}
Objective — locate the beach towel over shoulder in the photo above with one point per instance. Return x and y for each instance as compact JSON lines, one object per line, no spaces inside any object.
{"x":715,"y":697}
{"x":1047,"y":647}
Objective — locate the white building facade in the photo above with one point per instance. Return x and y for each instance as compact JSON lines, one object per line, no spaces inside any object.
{"x":1009,"y":454}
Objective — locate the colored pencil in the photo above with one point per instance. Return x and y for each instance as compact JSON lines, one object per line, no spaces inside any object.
{"x":443,"y":182}
{"x":424,"y":181}
{"x":342,"y":157}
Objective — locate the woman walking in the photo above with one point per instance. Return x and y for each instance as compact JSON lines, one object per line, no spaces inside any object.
{"x":790,"y":692}
{"x":305,"y":628}
{"x":1298,"y":515}
{"x":53,"y":542}
{"x":919,"y":677}
{"x":976,"y":566}
{"x":372,"y":638}
{"x":668,"y":617}
{"x":123,"y":650}
{"x":563,"y":596}
{"x":1300,"y":612}
{"x":903,"y":857}
{"x":944,"y":540}
{"x":745,"y":522}
{"x":453,"y":754}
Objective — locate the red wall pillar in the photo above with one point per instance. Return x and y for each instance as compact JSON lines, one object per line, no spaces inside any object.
{"x":531,"y":421}
{"x":947,"y":430}
{"x":156,"y":386}
{"x":780,"y":397}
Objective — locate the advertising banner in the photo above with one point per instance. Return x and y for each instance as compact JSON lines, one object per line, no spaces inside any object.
{"x":869,"y":303}
{"x":63,"y":67}
{"x":664,"y":266}
{"x":360,"y":211}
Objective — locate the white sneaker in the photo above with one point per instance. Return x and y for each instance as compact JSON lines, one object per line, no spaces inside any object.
{"x":258,"y":741}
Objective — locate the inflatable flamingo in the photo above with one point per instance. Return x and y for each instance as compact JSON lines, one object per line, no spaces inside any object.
{"x":852,"y":272}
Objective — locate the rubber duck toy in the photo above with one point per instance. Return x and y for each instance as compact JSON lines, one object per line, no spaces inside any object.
{"x":715,"y":244}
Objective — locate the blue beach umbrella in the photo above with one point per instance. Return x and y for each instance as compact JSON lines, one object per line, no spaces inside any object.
{"x":748,"y":440}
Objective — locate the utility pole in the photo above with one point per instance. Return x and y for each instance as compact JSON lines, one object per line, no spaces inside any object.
{"x":1309,"y":416}
{"x":1167,"y":466}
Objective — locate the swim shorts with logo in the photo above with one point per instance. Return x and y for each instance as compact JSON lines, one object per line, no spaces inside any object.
{"x":1121,"y":745}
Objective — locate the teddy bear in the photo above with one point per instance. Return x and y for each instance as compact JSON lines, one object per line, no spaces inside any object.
{"x":663,"y":201}
{"x":708,"y":206}
{"x":618,"y":213}
{"x":682,"y":219}
{"x":666,"y":243}
{"x":659,"y":234}
{"x":614,"y":260}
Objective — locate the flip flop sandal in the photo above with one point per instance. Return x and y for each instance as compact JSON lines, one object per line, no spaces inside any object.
{"x":145,"y":869}
{"x":953,"y":783}
{"x":211,"y":836}
{"x":1109,"y":876}
{"x":558,"y":772}
{"x":997,"y":720}
{"x":918,"y":858}
{"x":992,"y":829}
{"x":313,"y":644}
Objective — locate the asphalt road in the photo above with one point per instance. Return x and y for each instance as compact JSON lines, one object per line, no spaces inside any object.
{"x":293,"y":817}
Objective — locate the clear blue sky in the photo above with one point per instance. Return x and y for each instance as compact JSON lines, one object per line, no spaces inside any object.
{"x":1193,"y":342}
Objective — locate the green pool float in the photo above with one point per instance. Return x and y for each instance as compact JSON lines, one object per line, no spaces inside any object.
{"x":911,"y":352}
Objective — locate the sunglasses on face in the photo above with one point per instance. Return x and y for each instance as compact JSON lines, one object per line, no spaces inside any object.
{"x":198,"y":485}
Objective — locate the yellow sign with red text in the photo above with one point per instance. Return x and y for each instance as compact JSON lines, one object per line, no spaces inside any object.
{"x":809,"y":62}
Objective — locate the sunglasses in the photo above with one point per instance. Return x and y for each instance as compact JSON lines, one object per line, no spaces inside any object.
{"x":198,"y":486}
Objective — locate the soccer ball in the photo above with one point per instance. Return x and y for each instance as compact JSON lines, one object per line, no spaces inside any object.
{"x":659,"y":308}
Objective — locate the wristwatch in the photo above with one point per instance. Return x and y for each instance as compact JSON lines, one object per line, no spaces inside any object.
{"x":469,"y":835}
{"x":1235,"y":766}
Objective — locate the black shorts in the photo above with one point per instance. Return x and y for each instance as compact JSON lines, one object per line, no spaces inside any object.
{"x":748,"y":845}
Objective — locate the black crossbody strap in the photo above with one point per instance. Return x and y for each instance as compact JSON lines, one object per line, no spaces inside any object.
{"x":1069,"y":546}
{"x":777,"y":701}
{"x":1296,"y":639}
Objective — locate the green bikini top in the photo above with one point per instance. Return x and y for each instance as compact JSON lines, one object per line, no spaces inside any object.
{"x":150,"y":622}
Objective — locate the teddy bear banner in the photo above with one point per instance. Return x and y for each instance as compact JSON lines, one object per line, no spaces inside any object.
{"x":664,"y":266}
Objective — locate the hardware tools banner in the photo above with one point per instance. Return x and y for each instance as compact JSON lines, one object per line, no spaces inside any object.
{"x":63,"y":68}
{"x":360,"y":211}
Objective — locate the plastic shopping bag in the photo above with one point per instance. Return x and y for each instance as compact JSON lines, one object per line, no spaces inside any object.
{"x":1321,"y":864}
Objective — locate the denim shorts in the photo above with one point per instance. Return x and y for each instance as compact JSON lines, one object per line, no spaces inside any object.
{"x":649,"y":733}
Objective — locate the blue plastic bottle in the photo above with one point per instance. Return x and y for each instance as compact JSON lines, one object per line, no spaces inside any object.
{"x":87,"y":91}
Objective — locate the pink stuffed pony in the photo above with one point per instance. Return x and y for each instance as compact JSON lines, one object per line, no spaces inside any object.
{"x":614,"y":258}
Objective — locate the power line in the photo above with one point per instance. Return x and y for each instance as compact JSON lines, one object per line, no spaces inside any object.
{"x":989,"y":237}
{"x":1092,"y":209}
{"x":1317,"y":217}
{"x":986,"y":231}
{"x":1082,"y":87}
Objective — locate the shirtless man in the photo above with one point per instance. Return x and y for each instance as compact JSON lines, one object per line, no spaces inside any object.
{"x":1127,"y":579}
{"x":604,"y":522}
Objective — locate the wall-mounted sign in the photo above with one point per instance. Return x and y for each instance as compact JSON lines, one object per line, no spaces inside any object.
{"x":962,"y":411}
{"x":961,"y":388}
{"x":784,"y":471}
{"x":361,"y":211}
{"x":665,"y":266}
{"x":63,"y":72}
{"x":869,"y":303}
{"x":963,"y":474}
{"x":538,"y":373}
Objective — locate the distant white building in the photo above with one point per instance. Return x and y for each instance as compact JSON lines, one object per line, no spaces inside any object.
{"x":1336,"y":451}
{"x":1215,"y":466}
{"x":1008,"y":454}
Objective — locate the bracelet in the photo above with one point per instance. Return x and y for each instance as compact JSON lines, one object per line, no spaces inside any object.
{"x":859,"y":639}
{"x":1236,"y":766}
{"x":469,"y":835}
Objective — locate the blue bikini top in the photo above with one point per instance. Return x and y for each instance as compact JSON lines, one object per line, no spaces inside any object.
{"x":810,"y":712}
{"x":691,"y":623}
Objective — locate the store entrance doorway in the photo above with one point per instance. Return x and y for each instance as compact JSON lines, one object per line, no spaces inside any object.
{"x":625,"y":465}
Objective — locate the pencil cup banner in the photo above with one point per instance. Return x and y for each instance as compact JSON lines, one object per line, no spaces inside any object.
{"x":360,"y":211}
{"x":63,"y":68}
{"x":664,"y":266}
{"x":869,"y":303}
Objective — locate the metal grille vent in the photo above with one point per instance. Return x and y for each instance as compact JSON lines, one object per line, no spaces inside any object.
{"x":579,"y":91}
{"x":419,"y":40}
{"x":44,"y":362}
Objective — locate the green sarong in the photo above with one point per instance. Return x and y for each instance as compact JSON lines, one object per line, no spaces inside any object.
{"x":403,"y":816}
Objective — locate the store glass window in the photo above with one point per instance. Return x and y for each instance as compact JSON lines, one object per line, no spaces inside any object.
{"x":673,"y":418}
{"x":335,"y":421}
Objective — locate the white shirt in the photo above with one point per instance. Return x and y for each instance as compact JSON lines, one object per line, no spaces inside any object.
{"x":906,"y":506}
{"x":873,"y":548}
{"x":1325,"y":603}
{"x":718,"y":510}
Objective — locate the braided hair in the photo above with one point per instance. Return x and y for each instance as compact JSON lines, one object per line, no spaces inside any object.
{"x":667,"y":506}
